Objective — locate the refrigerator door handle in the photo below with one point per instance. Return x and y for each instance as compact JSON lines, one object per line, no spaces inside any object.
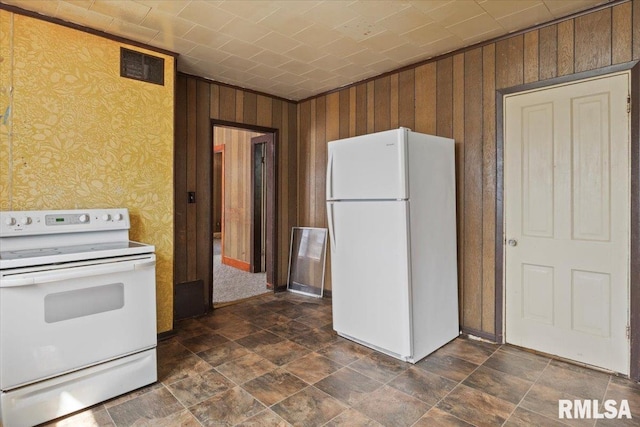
{"x":332,"y":235}
{"x":330,"y":177}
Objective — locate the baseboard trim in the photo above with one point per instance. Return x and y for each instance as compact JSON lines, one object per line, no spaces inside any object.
{"x":236,"y":263}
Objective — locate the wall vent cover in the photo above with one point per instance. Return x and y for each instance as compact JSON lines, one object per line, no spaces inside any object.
{"x":140,"y":66}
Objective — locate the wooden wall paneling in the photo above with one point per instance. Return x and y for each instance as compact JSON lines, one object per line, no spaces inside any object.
{"x":548,"y":52}
{"x":593,"y":40}
{"x":344,"y":114}
{"x":282,"y":189}
{"x":531,"y":56}
{"x":180,"y":182}
{"x":264,"y":108}
{"x":291,"y":182}
{"x":352,"y":110}
{"x":333,"y":129}
{"x":458,"y":136}
{"x":393,"y":107}
{"x":621,"y":37}
{"x":214,"y":108}
{"x":565,"y":48}
{"x":250,"y":115}
{"x":192,"y":217}
{"x":382,"y":104}
{"x":227,"y":103}
{"x":305,"y":131}
{"x":636,"y":29}
{"x":509,"y":62}
{"x":361,"y":109}
{"x":473,"y":214}
{"x":489,"y":187}
{"x":371,"y":93}
{"x":204,"y":168}
{"x":425,"y":114}
{"x":407,"y":98}
{"x":444,"y":97}
{"x":319,"y":161}
{"x":239,"y":106}
{"x":311,"y":161}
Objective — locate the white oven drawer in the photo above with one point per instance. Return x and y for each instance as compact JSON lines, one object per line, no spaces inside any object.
{"x":63,"y":319}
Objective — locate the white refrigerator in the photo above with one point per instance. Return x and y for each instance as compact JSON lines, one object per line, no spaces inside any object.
{"x":391,"y":210}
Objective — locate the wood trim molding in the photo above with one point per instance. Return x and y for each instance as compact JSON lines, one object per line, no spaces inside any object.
{"x":634,"y":262}
{"x":236,"y":263}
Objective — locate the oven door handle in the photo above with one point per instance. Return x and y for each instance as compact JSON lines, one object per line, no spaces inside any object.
{"x":29,"y":279}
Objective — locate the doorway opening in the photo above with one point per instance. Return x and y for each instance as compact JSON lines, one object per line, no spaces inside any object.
{"x":242,"y":213}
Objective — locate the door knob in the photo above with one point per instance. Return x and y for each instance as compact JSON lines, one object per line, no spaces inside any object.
{"x":512,"y":242}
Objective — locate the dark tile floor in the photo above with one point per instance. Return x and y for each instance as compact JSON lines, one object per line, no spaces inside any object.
{"x":275,"y":361}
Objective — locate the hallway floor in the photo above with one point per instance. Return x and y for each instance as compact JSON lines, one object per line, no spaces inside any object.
{"x":275,"y":361}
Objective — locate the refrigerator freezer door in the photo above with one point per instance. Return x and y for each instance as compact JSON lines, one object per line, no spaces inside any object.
{"x":370,"y":273}
{"x":368,"y":167}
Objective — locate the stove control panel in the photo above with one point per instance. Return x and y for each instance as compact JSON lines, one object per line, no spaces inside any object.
{"x":63,"y":221}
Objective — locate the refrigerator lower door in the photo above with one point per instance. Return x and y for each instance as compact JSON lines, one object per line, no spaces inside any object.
{"x":370,"y":274}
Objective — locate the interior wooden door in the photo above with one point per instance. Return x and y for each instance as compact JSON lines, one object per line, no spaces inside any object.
{"x":566,"y":186}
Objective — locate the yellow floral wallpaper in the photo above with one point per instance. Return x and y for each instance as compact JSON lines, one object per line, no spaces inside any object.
{"x":80,"y":136}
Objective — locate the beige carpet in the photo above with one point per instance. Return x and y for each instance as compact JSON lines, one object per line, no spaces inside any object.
{"x":232,"y":284}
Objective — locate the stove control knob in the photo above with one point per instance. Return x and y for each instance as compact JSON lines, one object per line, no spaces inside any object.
{"x":10,"y":220}
{"x":117,"y":217}
{"x":106,"y":217}
{"x":83,"y":218}
{"x":25,"y":220}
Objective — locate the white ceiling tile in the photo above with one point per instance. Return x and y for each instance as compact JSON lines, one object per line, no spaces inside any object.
{"x":560,"y":8}
{"x":455,"y":12}
{"x":297,"y":67}
{"x":284,"y":22}
{"x":244,"y":30}
{"x":207,"y":36}
{"x":85,"y":4}
{"x":427,"y":34}
{"x":237,"y":62}
{"x":405,"y":20}
{"x":270,"y":58}
{"x":172,"y":43}
{"x":501,"y":8}
{"x":331,"y":13}
{"x":405,"y":53}
{"x":429,"y":5}
{"x":131,"y":31}
{"x":206,"y":53}
{"x":534,"y":15}
{"x":80,"y":15}
{"x":378,"y":9}
{"x":277,"y":42}
{"x":317,"y":36}
{"x":343,"y":47}
{"x":360,"y":28}
{"x":206,"y":14}
{"x":297,"y":48}
{"x":383,"y":41}
{"x":470,"y":28}
{"x":253,"y":11}
{"x":170,"y":6}
{"x":240,"y":49}
{"x":131,"y":12}
{"x":166,"y":23}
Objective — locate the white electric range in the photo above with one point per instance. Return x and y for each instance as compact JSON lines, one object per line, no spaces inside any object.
{"x":77,"y":312}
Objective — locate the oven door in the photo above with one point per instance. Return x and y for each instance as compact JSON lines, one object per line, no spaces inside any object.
{"x":63,"y":318}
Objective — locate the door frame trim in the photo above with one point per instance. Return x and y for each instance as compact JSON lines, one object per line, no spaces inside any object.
{"x":272,"y":196}
{"x":634,"y":253}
